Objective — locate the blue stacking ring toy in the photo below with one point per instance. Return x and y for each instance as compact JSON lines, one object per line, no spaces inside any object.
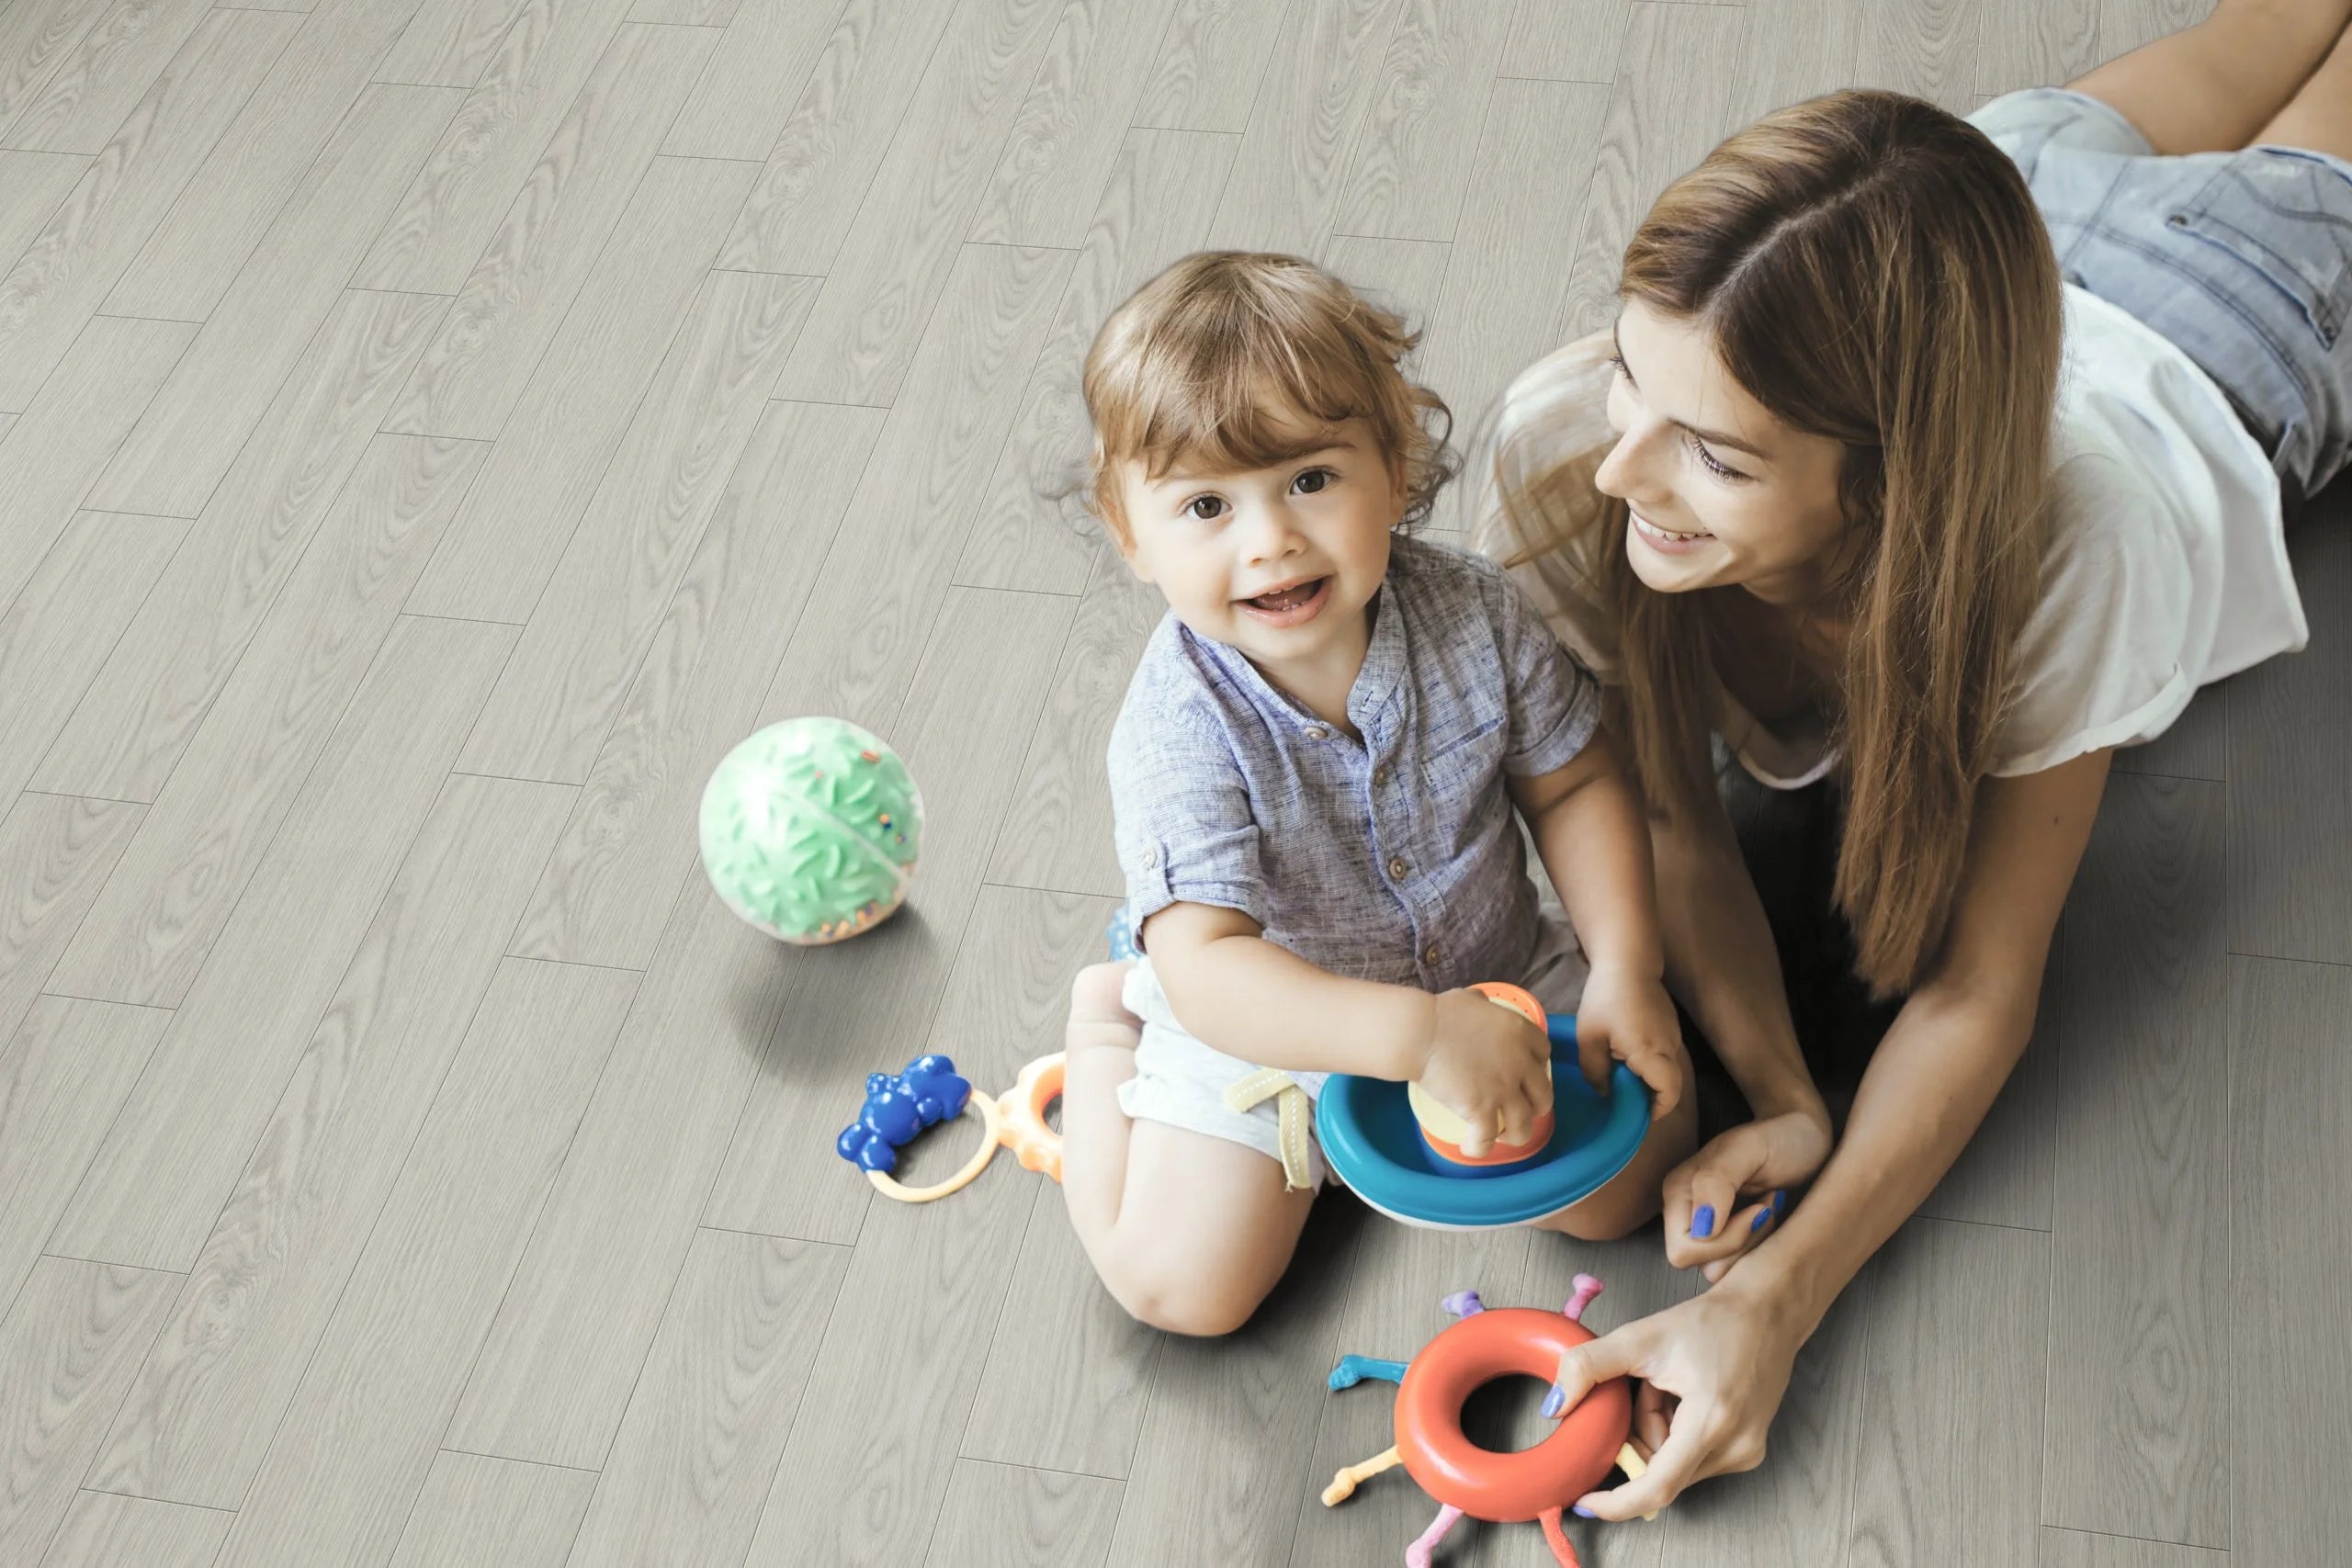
{"x":1374,"y":1145}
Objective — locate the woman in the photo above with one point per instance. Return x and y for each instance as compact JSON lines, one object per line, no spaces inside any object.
{"x":1932,"y":475}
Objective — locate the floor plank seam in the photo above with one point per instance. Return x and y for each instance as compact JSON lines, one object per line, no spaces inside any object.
{"x":518,"y":1458}
{"x":776,"y":1235}
{"x":510,"y":957}
{"x":107,"y":1491}
{"x":2287,"y":958}
{"x":110,"y":1263}
{"x":127,"y":316}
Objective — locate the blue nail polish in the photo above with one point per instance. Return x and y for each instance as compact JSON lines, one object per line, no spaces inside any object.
{"x":1702,"y":1224}
{"x":1763,"y":1218}
{"x":1781,"y":1200}
{"x":1580,"y":1511}
{"x":1554,"y":1401}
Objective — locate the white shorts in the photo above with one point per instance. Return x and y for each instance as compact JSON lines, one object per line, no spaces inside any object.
{"x":1180,"y":1082}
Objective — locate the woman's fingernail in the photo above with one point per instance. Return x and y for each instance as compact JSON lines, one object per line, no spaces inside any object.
{"x":1763,"y":1218}
{"x":1554,"y":1401}
{"x":1702,"y":1224}
{"x":1779,"y":1199}
{"x":1580,"y":1511}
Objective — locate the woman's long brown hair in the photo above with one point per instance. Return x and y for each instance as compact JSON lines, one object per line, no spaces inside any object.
{"x":1870,"y":268}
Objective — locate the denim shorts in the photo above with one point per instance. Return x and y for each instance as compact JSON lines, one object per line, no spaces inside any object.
{"x":2244,"y":260}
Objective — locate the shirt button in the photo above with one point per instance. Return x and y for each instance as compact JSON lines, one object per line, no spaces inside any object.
{"x":1317,"y":732}
{"x":1380,"y":776}
{"x":1396,"y":868}
{"x":1429,"y":955}
{"x":1151,"y":857}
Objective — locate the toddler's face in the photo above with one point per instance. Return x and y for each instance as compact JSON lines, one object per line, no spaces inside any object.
{"x":1278,"y":563}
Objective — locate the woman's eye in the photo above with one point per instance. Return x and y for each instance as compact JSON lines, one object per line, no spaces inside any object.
{"x":1313,"y":481}
{"x":1617,"y":367}
{"x":1206,"y":508}
{"x":1708,"y":458}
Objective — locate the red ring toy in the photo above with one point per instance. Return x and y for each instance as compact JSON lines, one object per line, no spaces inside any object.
{"x":1470,"y":1482}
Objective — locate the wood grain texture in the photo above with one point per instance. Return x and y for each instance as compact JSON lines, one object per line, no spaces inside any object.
{"x":998,"y":1516}
{"x":195,"y":1425}
{"x":548,"y":714}
{"x":102,"y":1529}
{"x":1404,"y":275}
{"x":56,"y":281}
{"x":1421,"y":137}
{"x":55,"y":638}
{"x":213,"y":822}
{"x":2004,"y":1176}
{"x":1923,"y":48}
{"x":579,"y":403}
{"x":63,"y":1074}
{"x":1671,"y":105}
{"x":254,"y":170}
{"x":756,"y":75}
{"x":991,"y":655}
{"x":2290,"y":816}
{"x":160,"y":679}
{"x":590,"y":180}
{"x":196,"y":428}
{"x":36,"y":37}
{"x":1792,"y":50}
{"x":1290,"y":175}
{"x":64,"y":440}
{"x":1501,"y":291}
{"x":55,"y":854}
{"x":449,"y":43}
{"x":359,"y":1440}
{"x":709,"y":1419}
{"x":32,"y":186}
{"x":1033,"y":530}
{"x":1067,"y":1373}
{"x":1211,"y":61}
{"x":1061,"y":837}
{"x":171,"y":1159}
{"x":877,"y":597}
{"x":1050,"y":181}
{"x":2196,"y":747}
{"x":552,"y":70}
{"x":1567,"y":40}
{"x":478,"y":1512}
{"x":2075,"y":1548}
{"x":2289,"y":1097}
{"x":1948,"y":1448}
{"x":825,"y":159}
{"x":2038,"y":46}
{"x":1227,"y":1444}
{"x":608,"y":888}
{"x":687,"y":13}
{"x":86,"y":99}
{"x":896,"y":260}
{"x":67,"y":1347}
{"x":2140,"y":1405}
{"x":556,"y":1370}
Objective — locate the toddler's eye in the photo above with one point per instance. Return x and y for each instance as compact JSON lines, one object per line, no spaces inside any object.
{"x":1314,"y":482}
{"x":1206,"y":508}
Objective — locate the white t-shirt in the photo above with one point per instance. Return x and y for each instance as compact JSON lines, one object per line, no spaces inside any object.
{"x":2167,"y":565}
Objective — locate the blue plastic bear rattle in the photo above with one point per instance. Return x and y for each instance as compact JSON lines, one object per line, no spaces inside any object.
{"x":929,"y":1092}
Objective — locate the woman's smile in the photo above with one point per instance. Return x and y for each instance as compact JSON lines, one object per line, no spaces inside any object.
{"x":1666,"y":541}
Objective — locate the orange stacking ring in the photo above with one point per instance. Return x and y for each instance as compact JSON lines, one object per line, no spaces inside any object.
{"x":1506,"y":1487}
{"x":1524,"y":1004}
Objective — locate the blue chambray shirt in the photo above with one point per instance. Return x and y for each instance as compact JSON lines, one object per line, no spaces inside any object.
{"x":1396,"y":858}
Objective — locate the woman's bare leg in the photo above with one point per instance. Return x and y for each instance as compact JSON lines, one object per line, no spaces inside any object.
{"x":1189,"y":1232}
{"x":2212,"y":87}
{"x":2319,"y":115}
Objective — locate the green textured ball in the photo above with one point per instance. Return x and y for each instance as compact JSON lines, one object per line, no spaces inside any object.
{"x":810,"y":828}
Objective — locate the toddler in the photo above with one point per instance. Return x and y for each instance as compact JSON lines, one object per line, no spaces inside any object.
{"x":1313,"y":778}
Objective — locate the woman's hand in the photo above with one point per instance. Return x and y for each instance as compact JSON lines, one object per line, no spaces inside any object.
{"x":1707,"y":1225}
{"x":1490,"y":1067}
{"x":1627,"y":1015}
{"x":1713,"y":1371}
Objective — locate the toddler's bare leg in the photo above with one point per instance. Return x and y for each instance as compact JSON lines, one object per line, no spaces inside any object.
{"x":1189,"y":1232}
{"x":1630,"y":1199}
{"x":2210,"y":88}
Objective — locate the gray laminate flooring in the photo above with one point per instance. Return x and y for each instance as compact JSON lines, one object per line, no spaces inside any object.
{"x":433,"y":431}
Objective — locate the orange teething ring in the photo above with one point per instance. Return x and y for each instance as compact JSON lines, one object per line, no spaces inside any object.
{"x":1015,"y":1120}
{"x":1510,"y":1487}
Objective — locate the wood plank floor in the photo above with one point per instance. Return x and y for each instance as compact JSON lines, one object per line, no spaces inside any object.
{"x":433,"y":431}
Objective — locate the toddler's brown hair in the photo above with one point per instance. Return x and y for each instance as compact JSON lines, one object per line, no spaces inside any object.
{"x":1217,"y":359}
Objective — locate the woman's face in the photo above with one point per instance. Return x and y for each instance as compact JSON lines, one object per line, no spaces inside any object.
{"x":1721,"y":491}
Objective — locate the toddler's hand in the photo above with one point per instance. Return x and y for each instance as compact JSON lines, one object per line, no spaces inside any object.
{"x":1628,"y":1016}
{"x":1490,"y":1067}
